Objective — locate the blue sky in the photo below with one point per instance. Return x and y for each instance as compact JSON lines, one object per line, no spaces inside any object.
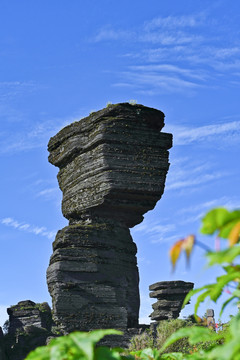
{"x":59,"y":61}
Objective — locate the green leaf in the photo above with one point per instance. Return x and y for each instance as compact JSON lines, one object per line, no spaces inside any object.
{"x":173,"y":356}
{"x":224,"y":256}
{"x":107,"y":354}
{"x":202,"y":297}
{"x":230,"y":350}
{"x":41,"y":353}
{"x":146,"y":354}
{"x":214,"y":220}
{"x":190,"y":294}
{"x":221,"y":220}
{"x":85,"y":341}
{"x":226,"y":303}
{"x":75,"y":346}
{"x":215,"y":290}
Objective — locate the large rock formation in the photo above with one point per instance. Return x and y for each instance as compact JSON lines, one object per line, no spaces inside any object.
{"x":170,"y":295}
{"x":113,"y":166}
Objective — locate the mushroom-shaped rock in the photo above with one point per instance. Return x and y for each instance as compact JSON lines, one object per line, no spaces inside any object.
{"x":112,"y":170}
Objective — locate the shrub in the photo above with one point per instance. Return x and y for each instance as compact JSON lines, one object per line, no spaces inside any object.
{"x":142,"y":341}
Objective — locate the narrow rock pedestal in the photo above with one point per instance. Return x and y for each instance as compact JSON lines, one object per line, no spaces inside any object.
{"x":113,"y":166}
{"x":170,"y":295}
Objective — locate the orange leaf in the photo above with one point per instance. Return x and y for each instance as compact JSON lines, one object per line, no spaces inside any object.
{"x":175,"y":252}
{"x":234,"y":234}
{"x":188,"y":244}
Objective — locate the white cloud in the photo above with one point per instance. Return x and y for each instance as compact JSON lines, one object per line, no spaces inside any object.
{"x":229,"y":203}
{"x":48,"y":193}
{"x":174,"y":22}
{"x":157,"y":82}
{"x":186,"y":38}
{"x":201,"y":179}
{"x":33,"y":137}
{"x":108,"y":33}
{"x":164,"y":68}
{"x":170,"y":38}
{"x":164,"y":239}
{"x":191,"y":173}
{"x":153,"y":227}
{"x":28,"y":228}
{"x":186,"y":135}
{"x":195,"y":213}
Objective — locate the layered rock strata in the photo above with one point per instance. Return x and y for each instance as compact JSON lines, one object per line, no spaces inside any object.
{"x":170,"y":296}
{"x":113,"y":166}
{"x":30,"y":326}
{"x":29,"y":314}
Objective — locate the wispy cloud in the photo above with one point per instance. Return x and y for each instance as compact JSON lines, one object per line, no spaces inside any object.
{"x":34,"y":136}
{"x":155,"y":232}
{"x":186,"y":135}
{"x":166,"y":41}
{"x":48,"y":193}
{"x":200,"y":179}
{"x":164,"y":239}
{"x":168,"y":68}
{"x":156,"y":82}
{"x":22,"y":226}
{"x":191,"y":173}
{"x":108,"y":33}
{"x":173,"y":22}
{"x":11,"y":89}
{"x":194,"y":213}
{"x":154,"y":227}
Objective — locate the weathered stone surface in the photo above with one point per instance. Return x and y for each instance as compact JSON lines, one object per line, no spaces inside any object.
{"x":165,"y":304}
{"x":112,"y":162}
{"x":165,"y":314}
{"x":113,"y":166}
{"x":170,"y":285}
{"x":170,"y":295}
{"x":210,"y":313}
{"x":165,"y":292}
{"x":29,"y":326}
{"x":28,"y":313}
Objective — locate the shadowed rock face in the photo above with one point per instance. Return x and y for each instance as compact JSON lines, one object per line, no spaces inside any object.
{"x":113,"y":166}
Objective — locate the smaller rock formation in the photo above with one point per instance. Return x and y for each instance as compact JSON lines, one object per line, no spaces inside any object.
{"x":210,"y":319}
{"x":29,"y":314}
{"x":30,"y":326}
{"x":170,"y":296}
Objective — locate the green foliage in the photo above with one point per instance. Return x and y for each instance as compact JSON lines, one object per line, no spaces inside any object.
{"x":166,"y":329}
{"x":142,"y":341}
{"x":77,"y":346}
{"x":195,"y":335}
{"x":146,"y":354}
{"x":190,"y":341}
{"x":220,"y":220}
